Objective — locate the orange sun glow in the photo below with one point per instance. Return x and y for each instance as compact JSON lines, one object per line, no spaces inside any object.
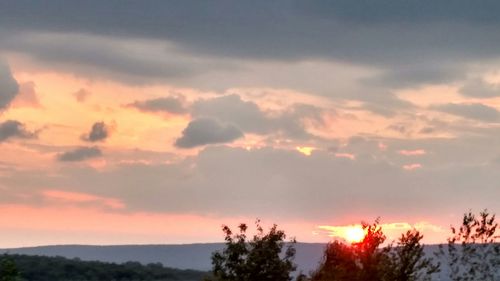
{"x":354,"y":234}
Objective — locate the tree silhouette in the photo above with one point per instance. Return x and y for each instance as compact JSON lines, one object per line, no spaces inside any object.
{"x":338,"y":263}
{"x":8,"y":270}
{"x":259,"y":259}
{"x":407,"y":261}
{"x":367,"y":260}
{"x":359,"y":261}
{"x":473,"y":251}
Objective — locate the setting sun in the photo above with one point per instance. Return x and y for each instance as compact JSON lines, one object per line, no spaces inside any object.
{"x":354,"y":234}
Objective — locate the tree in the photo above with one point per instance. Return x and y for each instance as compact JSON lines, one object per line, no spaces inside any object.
{"x":407,"y":261}
{"x":8,"y":269}
{"x":370,"y":257}
{"x":359,"y":261}
{"x":473,"y":251}
{"x":265,"y":257}
{"x":338,"y":263}
{"x":367,"y":260}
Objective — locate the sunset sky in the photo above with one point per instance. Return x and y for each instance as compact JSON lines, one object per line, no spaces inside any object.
{"x":129,"y":122}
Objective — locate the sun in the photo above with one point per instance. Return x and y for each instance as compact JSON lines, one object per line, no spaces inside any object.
{"x":354,"y":234}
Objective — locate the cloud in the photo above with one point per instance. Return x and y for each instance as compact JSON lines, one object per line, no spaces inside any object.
{"x":8,"y":86}
{"x":475,"y":111}
{"x":282,"y":29}
{"x":250,"y":118}
{"x":127,"y":60}
{"x":478,"y":88}
{"x":171,"y":104}
{"x":204,"y":131}
{"x":416,"y":75}
{"x":406,"y":48}
{"x":411,"y":167}
{"x":81,"y":95}
{"x":231,"y":108}
{"x":99,"y":132}
{"x":80,"y":154}
{"x":27,"y":96}
{"x":416,"y":152}
{"x":284,"y":183}
{"x":14,"y":129}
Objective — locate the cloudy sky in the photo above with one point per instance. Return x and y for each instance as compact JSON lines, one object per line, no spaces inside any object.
{"x":158,"y":121}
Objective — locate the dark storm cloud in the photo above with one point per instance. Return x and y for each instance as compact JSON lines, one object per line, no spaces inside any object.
{"x":471,"y":110}
{"x":80,"y":154}
{"x":99,"y":132}
{"x":386,"y":32}
{"x":204,"y":131}
{"x":8,"y":86}
{"x":171,"y":104}
{"x":14,"y":129}
{"x":99,"y":55}
{"x":273,"y":28}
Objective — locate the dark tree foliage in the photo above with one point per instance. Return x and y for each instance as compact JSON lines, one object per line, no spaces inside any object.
{"x":369,"y":257}
{"x":8,"y":269}
{"x":39,"y":268}
{"x":473,"y":251}
{"x":407,"y":261}
{"x":368,"y":261}
{"x":263,"y":258}
{"x":338,"y":263}
{"x":359,"y":261}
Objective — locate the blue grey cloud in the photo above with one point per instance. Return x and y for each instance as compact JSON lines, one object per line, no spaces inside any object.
{"x":403,"y":39}
{"x":290,"y":29}
{"x":250,"y":118}
{"x":170,"y":104}
{"x":14,"y":129}
{"x":471,"y":110}
{"x":80,"y":154}
{"x":204,"y":131}
{"x":477,"y":88}
{"x":9,"y":87}
{"x":99,"y":132}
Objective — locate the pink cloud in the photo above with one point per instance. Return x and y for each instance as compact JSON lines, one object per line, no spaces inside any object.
{"x":411,"y":167}
{"x":416,"y":152}
{"x":345,"y":155}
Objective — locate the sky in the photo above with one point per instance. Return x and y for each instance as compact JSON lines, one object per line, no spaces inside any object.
{"x":137,"y":122}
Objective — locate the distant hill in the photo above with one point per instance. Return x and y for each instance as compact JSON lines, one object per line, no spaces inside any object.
{"x":187,"y":256}
{"x":42,"y":268}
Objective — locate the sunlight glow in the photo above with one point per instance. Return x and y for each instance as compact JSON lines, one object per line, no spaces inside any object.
{"x":306,"y":150}
{"x":350,"y":233}
{"x":354,"y":234}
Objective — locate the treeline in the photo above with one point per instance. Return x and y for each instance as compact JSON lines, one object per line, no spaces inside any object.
{"x":471,"y":254}
{"x":40,"y":268}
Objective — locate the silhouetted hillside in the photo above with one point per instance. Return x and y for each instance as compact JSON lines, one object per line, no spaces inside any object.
{"x":188,"y":256}
{"x":42,"y":268}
